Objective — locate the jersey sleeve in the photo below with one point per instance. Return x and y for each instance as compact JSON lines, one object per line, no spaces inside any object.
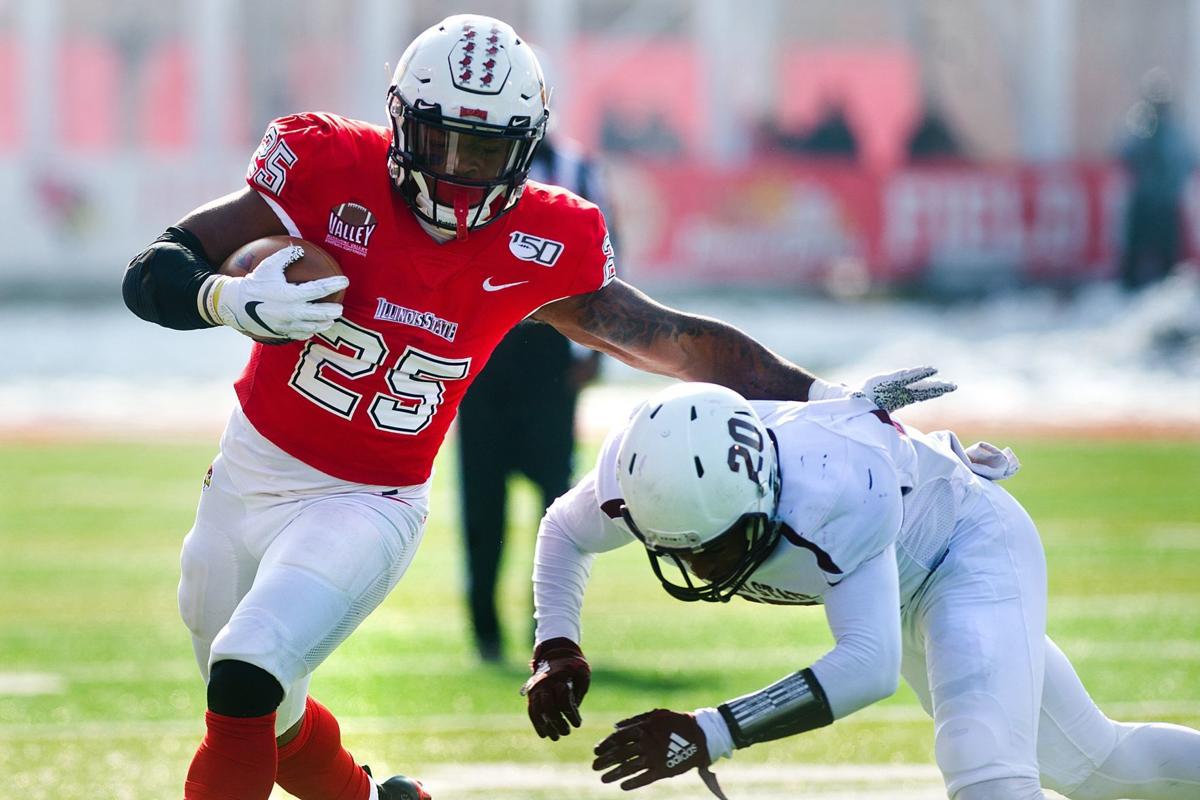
{"x":596,"y":266}
{"x":863,"y":612}
{"x":297,"y":152}
{"x":573,"y":530}
{"x":868,"y":512}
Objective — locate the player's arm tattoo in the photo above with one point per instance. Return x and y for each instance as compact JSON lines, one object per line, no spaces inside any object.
{"x":628,"y":325}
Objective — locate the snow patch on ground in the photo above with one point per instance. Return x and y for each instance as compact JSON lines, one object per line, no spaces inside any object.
{"x":1098,"y":359}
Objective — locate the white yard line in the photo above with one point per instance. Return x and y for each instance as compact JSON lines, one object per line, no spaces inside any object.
{"x":444,"y":723}
{"x":1121,"y":607}
{"x":508,"y":781}
{"x":100,"y":672}
{"x":29,"y":684}
{"x":1174,"y":537}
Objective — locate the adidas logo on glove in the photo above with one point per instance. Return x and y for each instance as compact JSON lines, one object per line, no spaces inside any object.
{"x":679,"y":750}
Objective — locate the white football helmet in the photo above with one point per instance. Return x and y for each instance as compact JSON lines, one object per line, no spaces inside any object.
{"x":468,"y":106}
{"x":698,"y":470}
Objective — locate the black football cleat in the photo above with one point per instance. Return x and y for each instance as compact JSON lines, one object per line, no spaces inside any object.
{"x":490,"y":651}
{"x":402,"y":788}
{"x":399,"y":787}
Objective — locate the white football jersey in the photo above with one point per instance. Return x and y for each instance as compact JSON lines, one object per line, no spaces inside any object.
{"x":853,"y":482}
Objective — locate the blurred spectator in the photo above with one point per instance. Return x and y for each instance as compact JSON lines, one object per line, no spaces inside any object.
{"x":519,"y":417}
{"x":64,"y":203}
{"x":653,"y":136}
{"x":771,"y":138}
{"x":1159,"y":161}
{"x":832,"y":135}
{"x":932,"y":137}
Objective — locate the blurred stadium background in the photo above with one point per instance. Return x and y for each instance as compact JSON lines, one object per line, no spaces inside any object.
{"x":860,"y":185}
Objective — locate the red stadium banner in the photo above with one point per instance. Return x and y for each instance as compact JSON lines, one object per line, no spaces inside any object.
{"x":766,"y":223}
{"x":806,"y":223}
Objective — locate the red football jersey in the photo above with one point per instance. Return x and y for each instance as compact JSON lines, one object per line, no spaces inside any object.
{"x":370,"y":399}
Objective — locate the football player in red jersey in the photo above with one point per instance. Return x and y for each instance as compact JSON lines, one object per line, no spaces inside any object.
{"x":317,"y":500}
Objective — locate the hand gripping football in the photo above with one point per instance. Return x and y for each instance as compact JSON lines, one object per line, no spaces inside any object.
{"x":316,"y":263}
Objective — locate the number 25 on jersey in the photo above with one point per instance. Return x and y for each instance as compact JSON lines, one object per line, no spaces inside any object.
{"x":417,"y":380}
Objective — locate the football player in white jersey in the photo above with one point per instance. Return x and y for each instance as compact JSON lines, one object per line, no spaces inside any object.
{"x":926,"y":568}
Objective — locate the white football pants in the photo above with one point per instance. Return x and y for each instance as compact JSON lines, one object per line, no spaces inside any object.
{"x":1009,"y":711}
{"x":279,"y":580}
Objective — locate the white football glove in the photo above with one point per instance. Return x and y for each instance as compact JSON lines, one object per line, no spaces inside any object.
{"x":991,"y":462}
{"x":264,"y":305}
{"x":889,"y":391}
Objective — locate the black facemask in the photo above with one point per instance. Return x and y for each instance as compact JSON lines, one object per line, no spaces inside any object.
{"x":759,"y":533}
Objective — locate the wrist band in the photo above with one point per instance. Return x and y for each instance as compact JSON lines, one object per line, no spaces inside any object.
{"x":209,"y":297}
{"x":824,"y":390}
{"x":789,"y":706}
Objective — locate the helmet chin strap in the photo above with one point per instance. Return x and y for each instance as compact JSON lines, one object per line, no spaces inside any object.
{"x":460,"y":214}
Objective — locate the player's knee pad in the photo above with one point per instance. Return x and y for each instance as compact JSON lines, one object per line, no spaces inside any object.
{"x":239,"y":689}
{"x":964,"y":743}
{"x":1002,"y":789}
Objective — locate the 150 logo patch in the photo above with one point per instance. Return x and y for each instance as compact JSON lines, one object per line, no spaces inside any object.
{"x":528,"y":247}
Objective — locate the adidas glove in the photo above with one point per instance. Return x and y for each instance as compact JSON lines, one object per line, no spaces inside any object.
{"x":651,"y":746}
{"x":560,"y":679}
{"x":265,"y":306}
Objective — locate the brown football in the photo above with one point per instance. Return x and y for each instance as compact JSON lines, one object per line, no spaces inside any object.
{"x":315,"y":263}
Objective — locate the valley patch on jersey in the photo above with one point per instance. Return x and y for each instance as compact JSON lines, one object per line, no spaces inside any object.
{"x":370,"y":400}
{"x":350,"y":227}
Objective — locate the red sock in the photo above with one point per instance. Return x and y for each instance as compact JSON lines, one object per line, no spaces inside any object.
{"x":315,"y":766}
{"x":236,"y":760}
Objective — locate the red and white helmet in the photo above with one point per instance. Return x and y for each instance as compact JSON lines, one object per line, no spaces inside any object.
{"x":468,"y":106}
{"x":698,"y":470}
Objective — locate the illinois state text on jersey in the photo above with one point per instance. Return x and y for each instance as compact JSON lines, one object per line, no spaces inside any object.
{"x":370,"y":400}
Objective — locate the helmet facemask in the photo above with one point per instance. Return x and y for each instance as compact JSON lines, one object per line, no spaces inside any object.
{"x":699,"y":478}
{"x":468,"y":105}
{"x":458,"y":174}
{"x":750,"y":540}
{"x":757,"y":535}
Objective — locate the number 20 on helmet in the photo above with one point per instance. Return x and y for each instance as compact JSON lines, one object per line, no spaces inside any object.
{"x":699,"y":475}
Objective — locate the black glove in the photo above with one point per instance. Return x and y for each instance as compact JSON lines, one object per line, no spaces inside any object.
{"x":560,"y":680}
{"x":651,"y":746}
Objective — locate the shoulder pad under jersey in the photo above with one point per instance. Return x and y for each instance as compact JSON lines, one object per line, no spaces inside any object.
{"x":842,"y":491}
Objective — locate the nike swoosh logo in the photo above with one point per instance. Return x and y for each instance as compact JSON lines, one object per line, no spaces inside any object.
{"x":488,"y":286}
{"x":252,"y":312}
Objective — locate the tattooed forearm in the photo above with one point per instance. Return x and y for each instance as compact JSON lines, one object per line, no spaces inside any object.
{"x":627,"y":324}
{"x":631,"y":320}
{"x":720,"y":353}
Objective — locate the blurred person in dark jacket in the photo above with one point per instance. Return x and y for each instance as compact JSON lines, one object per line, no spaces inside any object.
{"x":832,"y":136}
{"x":932,"y":137}
{"x":1159,"y":160}
{"x":519,"y":418}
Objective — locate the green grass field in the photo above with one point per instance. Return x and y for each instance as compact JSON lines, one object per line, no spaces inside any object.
{"x":99,"y":695}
